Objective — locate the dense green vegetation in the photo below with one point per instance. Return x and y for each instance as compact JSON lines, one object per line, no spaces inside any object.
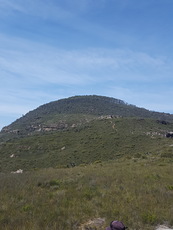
{"x":98,"y":140}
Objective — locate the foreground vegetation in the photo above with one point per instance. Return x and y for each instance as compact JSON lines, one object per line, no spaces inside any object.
{"x":137,"y":191}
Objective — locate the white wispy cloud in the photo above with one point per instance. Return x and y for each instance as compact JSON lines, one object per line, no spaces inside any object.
{"x":62,"y":13}
{"x":51,"y":8}
{"x":37,"y":8}
{"x":34,"y":62}
{"x":9,"y":5}
{"x":29,"y":65}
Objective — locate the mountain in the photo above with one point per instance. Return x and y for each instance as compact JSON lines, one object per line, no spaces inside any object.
{"x":73,"y":111}
{"x":82,"y":130}
{"x":90,"y":150}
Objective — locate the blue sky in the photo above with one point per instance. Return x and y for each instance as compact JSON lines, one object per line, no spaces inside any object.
{"x":53,"y":49}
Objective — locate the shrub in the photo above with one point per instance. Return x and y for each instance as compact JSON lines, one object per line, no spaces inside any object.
{"x":149,"y":218}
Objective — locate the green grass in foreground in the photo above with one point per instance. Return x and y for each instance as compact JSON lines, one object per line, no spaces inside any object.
{"x":138,"y":192}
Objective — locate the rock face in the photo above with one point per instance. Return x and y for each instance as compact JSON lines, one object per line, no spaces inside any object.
{"x":170,"y":134}
{"x":163,"y":227}
{"x":95,"y":224}
{"x":98,"y":224}
{"x":18,"y":171}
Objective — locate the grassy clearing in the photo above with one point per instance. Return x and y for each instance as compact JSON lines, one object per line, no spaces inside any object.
{"x":137,"y":191}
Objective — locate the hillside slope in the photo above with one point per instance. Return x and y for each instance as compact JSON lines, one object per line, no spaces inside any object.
{"x":89,"y":150}
{"x":98,"y":140}
{"x":74,"y":111}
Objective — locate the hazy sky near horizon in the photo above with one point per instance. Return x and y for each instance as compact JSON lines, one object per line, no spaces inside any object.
{"x":53,"y":49}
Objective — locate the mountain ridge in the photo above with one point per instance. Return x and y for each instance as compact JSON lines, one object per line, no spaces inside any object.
{"x":90,"y":105}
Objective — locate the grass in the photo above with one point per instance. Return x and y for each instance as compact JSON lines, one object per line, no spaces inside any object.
{"x":137,"y":191}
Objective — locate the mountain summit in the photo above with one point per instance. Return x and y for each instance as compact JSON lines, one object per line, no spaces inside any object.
{"x":71,"y":111}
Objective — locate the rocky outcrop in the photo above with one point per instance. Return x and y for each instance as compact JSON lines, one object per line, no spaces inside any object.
{"x":163,"y":227}
{"x":95,"y":224}
{"x":169,"y":134}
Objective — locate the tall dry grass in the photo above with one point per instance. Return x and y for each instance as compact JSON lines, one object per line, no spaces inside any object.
{"x":138,"y":192}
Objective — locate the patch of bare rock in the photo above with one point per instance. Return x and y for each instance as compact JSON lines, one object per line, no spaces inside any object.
{"x":163,"y":227}
{"x":94,"y":224}
{"x":99,"y":224}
